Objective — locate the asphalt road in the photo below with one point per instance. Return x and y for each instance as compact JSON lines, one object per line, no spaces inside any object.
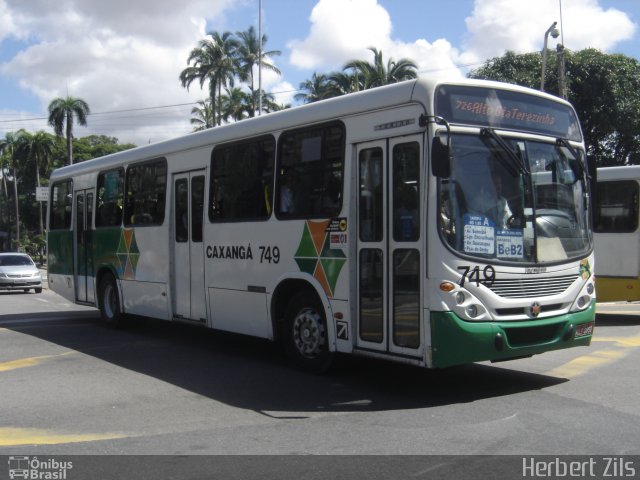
{"x":71,"y":386}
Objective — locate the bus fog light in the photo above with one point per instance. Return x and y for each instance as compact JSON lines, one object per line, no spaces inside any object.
{"x":472,"y":311}
{"x":460,"y":298}
{"x":582,"y":301}
{"x":590,"y":288}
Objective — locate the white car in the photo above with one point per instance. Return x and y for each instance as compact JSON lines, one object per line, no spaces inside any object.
{"x":18,"y":272}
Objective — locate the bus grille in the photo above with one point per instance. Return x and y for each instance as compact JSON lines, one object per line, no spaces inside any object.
{"x":534,"y":287}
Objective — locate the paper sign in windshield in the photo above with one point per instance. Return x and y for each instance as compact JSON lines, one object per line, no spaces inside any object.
{"x":479,"y":234}
{"x":509,"y":244}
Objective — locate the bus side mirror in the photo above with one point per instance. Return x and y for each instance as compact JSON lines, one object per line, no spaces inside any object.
{"x":441,"y":156}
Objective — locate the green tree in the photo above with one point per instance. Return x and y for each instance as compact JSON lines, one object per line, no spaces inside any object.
{"x":214,"y":61}
{"x":202,"y":116}
{"x":37,"y":148}
{"x":603,"y":88}
{"x":249,"y":56}
{"x":8,"y":146}
{"x":94,"y":146}
{"x":236,"y":104}
{"x":315,"y":89}
{"x":61,"y":114}
{"x":378,"y":73}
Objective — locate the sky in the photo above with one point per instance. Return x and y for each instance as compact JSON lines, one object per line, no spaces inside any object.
{"x":123,"y":57}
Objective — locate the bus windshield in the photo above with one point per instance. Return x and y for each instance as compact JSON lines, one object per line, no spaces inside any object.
{"x":515,"y":200}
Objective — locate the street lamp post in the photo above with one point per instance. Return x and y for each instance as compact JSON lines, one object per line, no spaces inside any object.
{"x":554,"y":33}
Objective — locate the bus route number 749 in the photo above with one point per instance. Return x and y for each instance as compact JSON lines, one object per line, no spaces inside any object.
{"x":486,"y":276}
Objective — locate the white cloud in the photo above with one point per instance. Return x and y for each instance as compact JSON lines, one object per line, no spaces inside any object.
{"x":341,"y":30}
{"x":126,"y":54}
{"x":115,"y":55}
{"x":496,"y":26}
{"x":334,"y":39}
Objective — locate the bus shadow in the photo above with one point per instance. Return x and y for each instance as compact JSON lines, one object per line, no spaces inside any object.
{"x":253,"y":374}
{"x":617,"y":320}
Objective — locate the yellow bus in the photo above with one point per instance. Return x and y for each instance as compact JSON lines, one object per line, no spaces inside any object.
{"x":616,"y":235}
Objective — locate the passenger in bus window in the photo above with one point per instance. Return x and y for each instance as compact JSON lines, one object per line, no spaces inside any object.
{"x":287,"y":194}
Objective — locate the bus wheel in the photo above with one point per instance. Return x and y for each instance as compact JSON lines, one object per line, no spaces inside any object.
{"x":109,"y":301}
{"x":305,"y":333}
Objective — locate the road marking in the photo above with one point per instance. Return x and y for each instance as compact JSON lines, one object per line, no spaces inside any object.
{"x":581,"y":365}
{"x":619,"y":341}
{"x":11,"y":437}
{"x":29,"y":362}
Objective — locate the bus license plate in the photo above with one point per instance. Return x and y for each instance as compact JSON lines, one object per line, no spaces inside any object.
{"x":584,"y":329}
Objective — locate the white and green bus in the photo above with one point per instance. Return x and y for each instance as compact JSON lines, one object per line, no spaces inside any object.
{"x":365,"y":224}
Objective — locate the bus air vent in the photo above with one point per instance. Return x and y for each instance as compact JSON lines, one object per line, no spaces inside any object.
{"x":531,"y":287}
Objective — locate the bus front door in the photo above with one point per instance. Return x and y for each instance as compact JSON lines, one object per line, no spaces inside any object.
{"x":83,"y":246}
{"x":390,"y":234}
{"x":188,"y":250}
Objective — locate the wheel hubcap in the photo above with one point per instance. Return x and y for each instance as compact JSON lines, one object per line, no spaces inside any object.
{"x":308,"y":333}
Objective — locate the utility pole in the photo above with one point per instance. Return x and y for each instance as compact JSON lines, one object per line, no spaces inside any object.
{"x":562,"y":79}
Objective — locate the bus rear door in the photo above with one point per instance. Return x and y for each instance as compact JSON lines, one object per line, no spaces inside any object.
{"x":83,"y":246}
{"x":188,"y":292}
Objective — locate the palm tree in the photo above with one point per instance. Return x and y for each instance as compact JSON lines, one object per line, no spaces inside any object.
{"x":315,"y":89}
{"x":61,"y":113}
{"x":37,"y":147}
{"x":249,"y":56}
{"x":236,"y":104}
{"x":341,"y":83}
{"x":377,"y":73}
{"x":8,"y":146}
{"x":213,"y":61}
{"x":203,"y":116}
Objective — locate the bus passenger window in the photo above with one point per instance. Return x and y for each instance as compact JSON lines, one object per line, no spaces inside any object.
{"x":61,"y":206}
{"x":110,"y":198}
{"x":617,"y":207}
{"x":310,"y":172}
{"x":241,"y":180}
{"x":146,"y":192}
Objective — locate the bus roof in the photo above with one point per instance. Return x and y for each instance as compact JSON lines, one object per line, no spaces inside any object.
{"x":331,"y":109}
{"x":625,"y":172}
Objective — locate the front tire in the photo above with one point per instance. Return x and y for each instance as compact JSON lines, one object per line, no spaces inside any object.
{"x":109,"y":302}
{"x":305,"y":334}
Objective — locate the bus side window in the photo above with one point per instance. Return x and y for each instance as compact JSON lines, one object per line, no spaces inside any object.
{"x":146,"y":185}
{"x":109,"y":198}
{"x":617,"y":208}
{"x":310,"y":172}
{"x":241,"y":179}
{"x":61,"y":206}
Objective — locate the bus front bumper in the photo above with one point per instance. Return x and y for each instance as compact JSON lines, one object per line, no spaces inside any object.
{"x":455,"y":341}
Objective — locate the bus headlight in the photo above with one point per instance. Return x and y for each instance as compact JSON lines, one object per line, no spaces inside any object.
{"x":585,"y":297}
{"x":466,"y":305}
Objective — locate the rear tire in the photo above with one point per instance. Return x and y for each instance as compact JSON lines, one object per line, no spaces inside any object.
{"x":109,"y":301}
{"x":305,"y":335}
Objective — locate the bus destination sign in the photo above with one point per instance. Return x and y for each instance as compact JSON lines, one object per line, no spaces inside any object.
{"x":507,"y":110}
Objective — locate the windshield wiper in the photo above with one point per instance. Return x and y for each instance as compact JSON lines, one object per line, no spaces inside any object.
{"x":519,"y":162}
